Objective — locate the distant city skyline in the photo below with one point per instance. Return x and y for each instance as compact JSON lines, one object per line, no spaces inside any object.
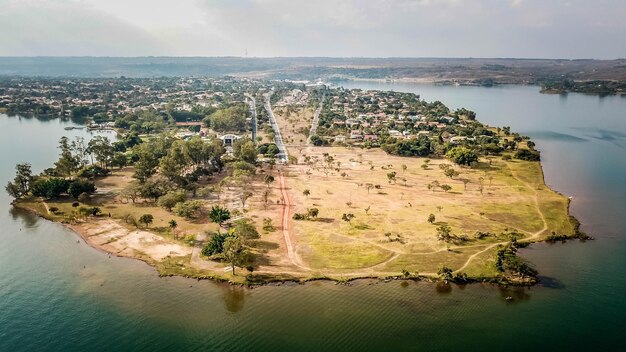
{"x":342,"y":28}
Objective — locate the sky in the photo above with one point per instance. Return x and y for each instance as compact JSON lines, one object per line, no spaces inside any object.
{"x":338,"y":28}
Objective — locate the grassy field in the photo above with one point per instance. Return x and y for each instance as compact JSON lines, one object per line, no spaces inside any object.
{"x":388,"y":232}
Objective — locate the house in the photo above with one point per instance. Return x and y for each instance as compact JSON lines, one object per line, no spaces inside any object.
{"x":356,"y":134}
{"x":229,"y":139}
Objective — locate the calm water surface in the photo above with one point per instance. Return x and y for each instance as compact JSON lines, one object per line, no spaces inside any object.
{"x":59,"y":295}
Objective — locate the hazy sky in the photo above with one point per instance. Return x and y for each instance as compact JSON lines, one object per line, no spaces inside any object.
{"x":375,"y":28}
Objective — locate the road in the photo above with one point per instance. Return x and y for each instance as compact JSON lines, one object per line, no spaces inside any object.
{"x":252,"y":103}
{"x":316,"y":119}
{"x":283,"y":157}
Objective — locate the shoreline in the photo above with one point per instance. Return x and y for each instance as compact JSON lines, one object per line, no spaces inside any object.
{"x":261,"y":278}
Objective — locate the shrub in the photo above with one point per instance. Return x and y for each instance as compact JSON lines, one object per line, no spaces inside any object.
{"x":527,"y":154}
{"x":215,"y":245}
{"x":170,"y":199}
{"x":462,"y":156}
{"x":188,"y":209}
{"x":79,"y":186}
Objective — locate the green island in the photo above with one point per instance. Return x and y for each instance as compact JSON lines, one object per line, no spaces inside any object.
{"x":253,"y":181}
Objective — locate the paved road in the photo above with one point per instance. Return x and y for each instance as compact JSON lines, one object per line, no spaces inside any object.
{"x":252,"y":103}
{"x":316,"y":119}
{"x":278,"y":138}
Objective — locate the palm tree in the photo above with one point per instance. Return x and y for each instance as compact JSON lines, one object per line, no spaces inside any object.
{"x":219,"y":214}
{"x":173,"y":225}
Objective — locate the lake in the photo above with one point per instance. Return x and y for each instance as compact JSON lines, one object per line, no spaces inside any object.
{"x":58,"y":294}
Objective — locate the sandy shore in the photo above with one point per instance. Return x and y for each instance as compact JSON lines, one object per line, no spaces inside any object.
{"x":111,"y":237}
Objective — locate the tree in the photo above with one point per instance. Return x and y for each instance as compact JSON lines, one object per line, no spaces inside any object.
{"x":404,"y":167}
{"x":231,"y":119}
{"x":102,"y":149}
{"x":450,"y":172}
{"x":444,"y":233}
{"x":215,"y":245}
{"x":219,"y":214}
{"x":244,"y":196}
{"x":131,"y":191}
{"x":120,"y":160}
{"x":146,"y":219}
{"x":431,"y":218}
{"x":347,"y":217}
{"x":445,"y":273}
{"x":146,"y":164}
{"x":68,"y":163}
{"x":49,"y":188}
{"x":391,"y":176}
{"x":465,"y":182}
{"x":266,"y":197}
{"x":154,"y":188}
{"x":188,"y":209}
{"x":313,"y":212}
{"x":173,"y":225}
{"x":462,"y":156}
{"x":80,"y":186}
{"x":306,"y":193}
{"x":244,"y":150}
{"x":446,"y":188}
{"x":234,"y":251}
{"x":170,"y":199}
{"x":21,"y":183}
{"x":245,"y":229}
{"x":268,"y":225}
{"x":268,"y":180}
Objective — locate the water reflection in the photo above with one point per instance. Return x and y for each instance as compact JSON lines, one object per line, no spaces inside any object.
{"x":28,"y":219}
{"x":443,"y":287}
{"x":234,"y":297}
{"x":515,"y":294}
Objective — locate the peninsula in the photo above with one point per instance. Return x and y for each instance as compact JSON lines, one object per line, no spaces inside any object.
{"x":222,"y":178}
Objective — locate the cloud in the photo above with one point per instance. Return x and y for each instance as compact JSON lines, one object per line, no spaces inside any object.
{"x":478,"y":28}
{"x":62,"y":28}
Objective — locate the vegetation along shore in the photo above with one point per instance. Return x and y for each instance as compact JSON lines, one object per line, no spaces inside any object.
{"x":221,"y":179}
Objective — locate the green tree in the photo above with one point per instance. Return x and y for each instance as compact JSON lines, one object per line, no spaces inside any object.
{"x":347,"y":217}
{"x":444,"y":233}
{"x":173,"y":225}
{"x":102,"y":149}
{"x":170,"y":199}
{"x":80,"y":186}
{"x":306,"y":193}
{"x":268,"y":225}
{"x":246,"y":230}
{"x":431,"y":218}
{"x":188,"y":209}
{"x":68,"y":163}
{"x":268,"y":180}
{"x":445,"y":273}
{"x":446,"y":188}
{"x":219,"y":214}
{"x":231,"y":119}
{"x":21,"y":183}
{"x":244,"y":149}
{"x":215,"y":244}
{"x":313,"y":212}
{"x":462,"y":156}
{"x":391,"y":176}
{"x":234,"y":251}
{"x":146,"y":219}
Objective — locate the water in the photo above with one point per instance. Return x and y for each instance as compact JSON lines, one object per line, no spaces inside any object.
{"x":59,"y":295}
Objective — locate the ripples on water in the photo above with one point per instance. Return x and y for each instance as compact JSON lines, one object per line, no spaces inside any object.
{"x":59,"y":295}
